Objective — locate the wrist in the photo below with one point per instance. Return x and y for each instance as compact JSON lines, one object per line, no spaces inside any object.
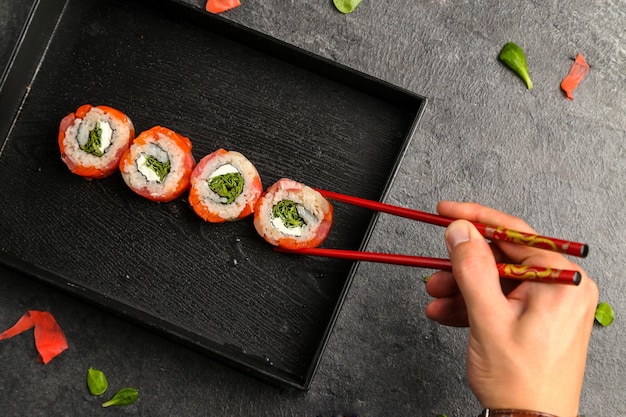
{"x":513,"y":413}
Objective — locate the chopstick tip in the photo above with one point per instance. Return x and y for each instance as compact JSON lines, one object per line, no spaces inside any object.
{"x":584,"y":251}
{"x":577,"y":278}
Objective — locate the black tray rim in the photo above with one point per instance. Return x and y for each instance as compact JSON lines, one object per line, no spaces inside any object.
{"x":21,"y":71}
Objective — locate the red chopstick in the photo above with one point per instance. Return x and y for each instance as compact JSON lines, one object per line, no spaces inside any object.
{"x":509,"y":271}
{"x":490,"y":232}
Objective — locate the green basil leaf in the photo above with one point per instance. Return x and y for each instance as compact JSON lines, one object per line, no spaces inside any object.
{"x":346,"y":6}
{"x":604,"y":314}
{"x":514,"y":58}
{"x":125,"y":396}
{"x":96,"y":381}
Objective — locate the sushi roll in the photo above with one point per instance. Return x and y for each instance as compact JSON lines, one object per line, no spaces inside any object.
{"x":292,"y":215}
{"x":93,"y":139}
{"x":158,"y":164}
{"x":224,"y":187}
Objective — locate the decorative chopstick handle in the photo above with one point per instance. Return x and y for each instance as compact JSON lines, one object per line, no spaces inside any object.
{"x":509,"y":271}
{"x":539,"y":274}
{"x":490,"y":232}
{"x":534,"y":240}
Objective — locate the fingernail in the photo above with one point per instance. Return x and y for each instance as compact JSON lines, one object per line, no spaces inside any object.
{"x":456,"y":233}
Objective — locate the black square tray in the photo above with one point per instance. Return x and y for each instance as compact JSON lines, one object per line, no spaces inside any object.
{"x":217,"y":288}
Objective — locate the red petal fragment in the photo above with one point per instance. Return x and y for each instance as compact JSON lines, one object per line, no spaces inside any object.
{"x":49,"y":338}
{"x":577,"y":72}
{"x":219,"y":6}
{"x":26,"y":322}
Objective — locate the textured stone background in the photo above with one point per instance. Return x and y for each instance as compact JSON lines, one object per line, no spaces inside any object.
{"x":559,"y":164}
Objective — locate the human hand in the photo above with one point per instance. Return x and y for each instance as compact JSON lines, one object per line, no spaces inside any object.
{"x":528,"y":341}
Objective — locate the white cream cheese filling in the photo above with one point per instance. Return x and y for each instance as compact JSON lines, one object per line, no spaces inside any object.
{"x":223,"y":170}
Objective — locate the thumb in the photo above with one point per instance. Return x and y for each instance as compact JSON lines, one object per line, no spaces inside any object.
{"x":474,"y":269}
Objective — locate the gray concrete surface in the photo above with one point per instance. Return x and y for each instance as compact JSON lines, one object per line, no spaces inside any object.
{"x":559,"y":164}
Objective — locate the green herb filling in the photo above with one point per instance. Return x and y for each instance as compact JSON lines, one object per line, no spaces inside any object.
{"x":94,"y":141}
{"x":228,"y":186}
{"x":287,"y":211}
{"x":159,"y":168}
